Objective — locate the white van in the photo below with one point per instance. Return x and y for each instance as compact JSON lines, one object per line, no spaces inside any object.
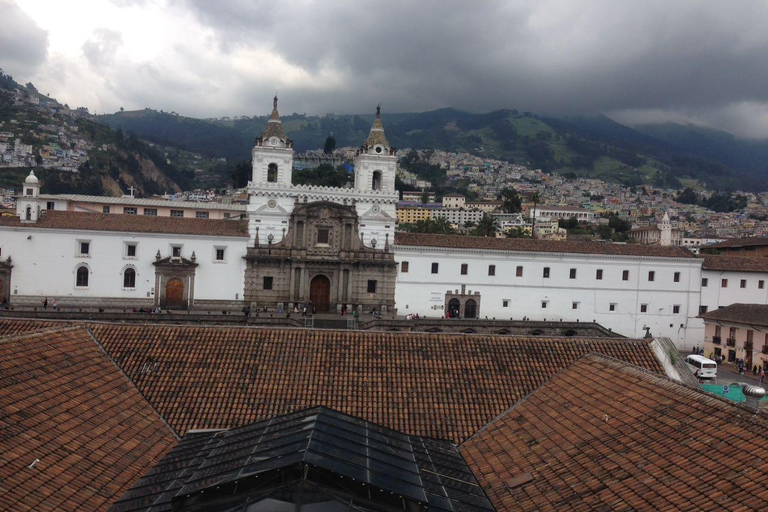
{"x":702,"y":367}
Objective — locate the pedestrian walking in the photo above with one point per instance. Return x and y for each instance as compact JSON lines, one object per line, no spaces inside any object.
{"x":45,"y":303}
{"x":762,"y":376}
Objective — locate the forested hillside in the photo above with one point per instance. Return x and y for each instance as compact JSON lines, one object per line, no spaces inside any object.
{"x":598,"y":147}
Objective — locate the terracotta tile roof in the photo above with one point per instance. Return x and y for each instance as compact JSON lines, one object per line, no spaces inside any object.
{"x":13,"y":326}
{"x":442,"y":386}
{"x":603,"y":435}
{"x":65,"y":405}
{"x":529,"y":245}
{"x":53,"y":219}
{"x":735,"y":263}
{"x":752,"y":314}
{"x":740,"y":242}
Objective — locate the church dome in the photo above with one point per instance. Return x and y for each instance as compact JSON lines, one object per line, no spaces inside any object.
{"x":31,"y":179}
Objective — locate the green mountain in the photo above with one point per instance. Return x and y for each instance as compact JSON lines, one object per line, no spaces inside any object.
{"x":73,"y":154}
{"x":593,"y":146}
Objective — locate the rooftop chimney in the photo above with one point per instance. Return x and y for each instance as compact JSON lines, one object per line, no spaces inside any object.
{"x":753,"y":394}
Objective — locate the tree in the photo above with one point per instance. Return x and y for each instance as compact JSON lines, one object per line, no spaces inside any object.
{"x":241,"y":174}
{"x":330,"y":144}
{"x":571,"y":223}
{"x":439,"y":226}
{"x":425,"y":197}
{"x":487,"y":227}
{"x":511,"y":199}
{"x":516,"y":233}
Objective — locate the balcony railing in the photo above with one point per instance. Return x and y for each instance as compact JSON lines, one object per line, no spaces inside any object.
{"x":716,"y":340}
{"x":731,"y":342}
{"x":748,"y":345}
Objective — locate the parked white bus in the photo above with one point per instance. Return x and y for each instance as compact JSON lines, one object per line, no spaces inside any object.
{"x":702,"y":367}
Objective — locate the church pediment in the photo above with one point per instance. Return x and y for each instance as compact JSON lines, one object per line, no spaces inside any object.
{"x":375,"y":212}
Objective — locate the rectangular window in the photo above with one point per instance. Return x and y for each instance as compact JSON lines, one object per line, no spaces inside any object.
{"x":220,"y":254}
{"x":761,"y":284}
{"x":505,"y":303}
{"x":150,"y":212}
{"x":574,"y":305}
{"x":176,"y":251}
{"x":129,"y":211}
{"x":572,"y":275}
{"x":464,"y":269}
{"x":268,"y":282}
{"x":519,"y":271}
{"x":435,"y":266}
{"x":371,"y":286}
{"x":323,"y":235}
{"x":50,"y":205}
{"x":201,"y":215}
{"x":85,"y":248}
{"x":651,"y":275}
{"x":676,"y":277}
{"x":105,"y":209}
{"x":724,"y":283}
{"x":743,"y":283}
{"x":545,"y":274}
{"x":130,"y":250}
{"x":491,"y":270}
{"x":704,"y":282}
{"x":612,"y":307}
{"x":29,"y":191}
{"x":676,"y":309}
{"x":544,"y":304}
{"x":226,"y":215}
{"x":703,"y":309}
{"x":404,"y":267}
{"x":177,"y":213}
{"x":625,"y":275}
{"x":643,"y":308}
{"x":599,"y":274}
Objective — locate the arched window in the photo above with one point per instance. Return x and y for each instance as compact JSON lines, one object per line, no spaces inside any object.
{"x":272,"y":173}
{"x":82,"y":277}
{"x":376,"y":185}
{"x":129,"y":278}
{"x":29,"y":213}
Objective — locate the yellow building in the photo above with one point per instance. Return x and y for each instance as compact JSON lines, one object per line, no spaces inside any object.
{"x":412,"y":214}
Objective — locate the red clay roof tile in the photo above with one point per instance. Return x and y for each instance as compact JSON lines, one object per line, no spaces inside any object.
{"x":86,"y":221}
{"x":65,"y":405}
{"x":548,"y":246}
{"x":606,"y":435}
{"x":443,"y":386}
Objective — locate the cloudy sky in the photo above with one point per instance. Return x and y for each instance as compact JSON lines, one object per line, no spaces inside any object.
{"x":704,"y":62}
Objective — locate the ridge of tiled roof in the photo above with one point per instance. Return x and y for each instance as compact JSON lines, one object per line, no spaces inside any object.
{"x":748,"y":314}
{"x":734,"y":263}
{"x":441,"y":386}
{"x":53,"y":219}
{"x":530,"y":245}
{"x":16,"y":326}
{"x":740,"y":242}
{"x":137,"y":201}
{"x":76,"y":432}
{"x":606,"y":435}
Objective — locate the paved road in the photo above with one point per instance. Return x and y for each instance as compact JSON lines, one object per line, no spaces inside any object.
{"x":728,"y":373}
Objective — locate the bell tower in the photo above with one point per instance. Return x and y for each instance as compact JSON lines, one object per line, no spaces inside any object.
{"x":272,"y":154}
{"x":28,"y":205}
{"x":376,"y":162}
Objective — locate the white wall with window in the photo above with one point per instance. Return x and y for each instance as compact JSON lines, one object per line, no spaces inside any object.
{"x":79,"y":263}
{"x":754,"y":289}
{"x":554,"y":286}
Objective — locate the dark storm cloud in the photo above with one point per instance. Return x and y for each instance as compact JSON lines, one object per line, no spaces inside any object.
{"x":23,"y":45}
{"x":545,"y":56}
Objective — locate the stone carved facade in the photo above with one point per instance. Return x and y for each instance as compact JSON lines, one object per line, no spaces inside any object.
{"x":321,"y":247}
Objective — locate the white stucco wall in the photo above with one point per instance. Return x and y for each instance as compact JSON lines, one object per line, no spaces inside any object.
{"x":420,"y":291}
{"x":714,"y":296}
{"x":45,"y":263}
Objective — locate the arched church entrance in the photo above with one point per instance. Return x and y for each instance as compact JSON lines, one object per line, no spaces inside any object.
{"x":320,"y":293}
{"x":454,"y":308}
{"x":174,"y":294}
{"x":470,"y":309}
